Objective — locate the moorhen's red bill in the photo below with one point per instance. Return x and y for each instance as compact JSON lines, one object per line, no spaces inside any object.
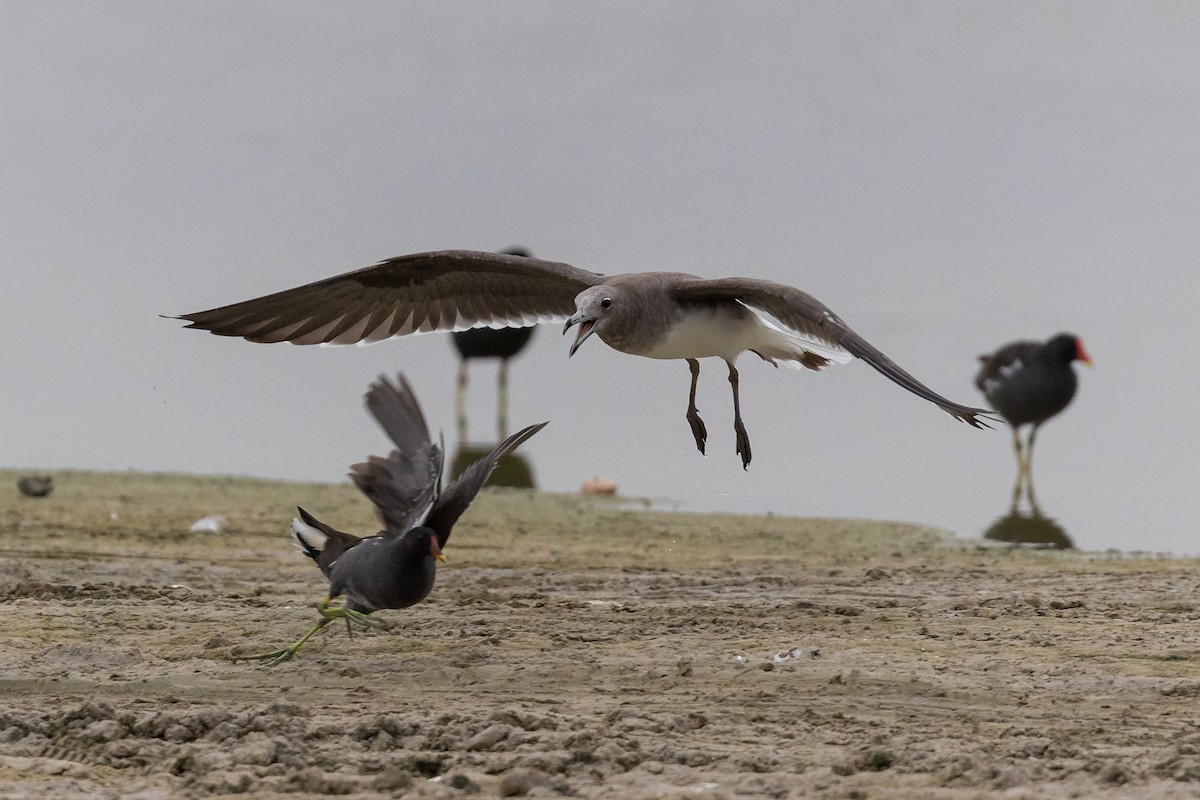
{"x":1028,"y":383}
{"x":395,"y":568}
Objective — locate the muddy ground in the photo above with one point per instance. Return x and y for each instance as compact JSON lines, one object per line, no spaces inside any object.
{"x":580,"y":648}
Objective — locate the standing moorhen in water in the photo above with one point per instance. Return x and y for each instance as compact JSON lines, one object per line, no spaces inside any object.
{"x":396,"y":567}
{"x":1028,"y":383}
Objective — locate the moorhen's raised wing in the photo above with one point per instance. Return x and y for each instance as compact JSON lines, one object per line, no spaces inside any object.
{"x":395,"y":568}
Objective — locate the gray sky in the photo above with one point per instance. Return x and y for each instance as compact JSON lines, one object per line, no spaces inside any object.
{"x":946,"y":176}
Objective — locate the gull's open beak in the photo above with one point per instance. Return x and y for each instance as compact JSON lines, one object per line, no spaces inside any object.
{"x":587,"y":327}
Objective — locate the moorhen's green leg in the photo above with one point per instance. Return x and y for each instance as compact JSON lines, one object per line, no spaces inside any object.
{"x":328,"y":615}
{"x":1019,"y":451}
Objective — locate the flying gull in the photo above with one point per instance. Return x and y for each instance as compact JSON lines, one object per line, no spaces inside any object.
{"x":653,"y":314}
{"x":396,"y":567}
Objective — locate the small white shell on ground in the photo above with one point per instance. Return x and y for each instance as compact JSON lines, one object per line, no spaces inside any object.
{"x":210,"y":524}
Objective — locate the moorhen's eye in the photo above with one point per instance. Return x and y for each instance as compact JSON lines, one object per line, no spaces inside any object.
{"x":606,"y":302}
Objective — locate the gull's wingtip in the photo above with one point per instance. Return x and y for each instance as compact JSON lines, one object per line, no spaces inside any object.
{"x":976,"y":418}
{"x":190,"y":319}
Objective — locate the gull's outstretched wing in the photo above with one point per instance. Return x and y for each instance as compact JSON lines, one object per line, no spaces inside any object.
{"x":807,"y":315}
{"x":449,"y":290}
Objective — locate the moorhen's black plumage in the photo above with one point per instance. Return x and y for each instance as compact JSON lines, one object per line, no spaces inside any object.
{"x":1028,"y":383}
{"x":395,"y":568}
{"x":501,"y":343}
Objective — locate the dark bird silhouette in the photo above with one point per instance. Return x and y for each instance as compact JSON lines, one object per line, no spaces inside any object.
{"x":1028,"y":383}
{"x":396,"y":567}
{"x":478,"y":343}
{"x":666,"y":315}
{"x":35,"y":485}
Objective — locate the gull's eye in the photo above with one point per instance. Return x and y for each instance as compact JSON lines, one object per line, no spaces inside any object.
{"x":606,"y":302}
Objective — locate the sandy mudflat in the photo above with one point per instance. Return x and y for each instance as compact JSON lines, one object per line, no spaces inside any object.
{"x":580,"y":648}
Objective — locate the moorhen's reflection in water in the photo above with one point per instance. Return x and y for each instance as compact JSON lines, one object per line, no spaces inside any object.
{"x":1029,"y":527}
{"x":514,"y":470}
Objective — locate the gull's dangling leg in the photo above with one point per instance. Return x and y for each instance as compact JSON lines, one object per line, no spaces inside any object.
{"x":502,"y":401}
{"x":743,"y":441}
{"x":699,"y":432}
{"x":460,"y":401}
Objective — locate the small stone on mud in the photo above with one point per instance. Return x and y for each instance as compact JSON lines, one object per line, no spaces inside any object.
{"x":488,"y":738}
{"x":876,"y":760}
{"x":317,"y":781}
{"x":461,"y":782}
{"x":238,"y":782}
{"x":182,"y":764}
{"x":256,"y":748}
{"x":1113,"y":773}
{"x":104,"y":730}
{"x":35,"y":485}
{"x":393,"y":778}
{"x":177,"y":733}
{"x":521,"y":782}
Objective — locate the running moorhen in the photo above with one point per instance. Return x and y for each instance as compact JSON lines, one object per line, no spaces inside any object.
{"x":396,"y":567}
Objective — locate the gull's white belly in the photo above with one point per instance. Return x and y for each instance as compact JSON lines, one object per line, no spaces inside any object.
{"x":703,"y":333}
